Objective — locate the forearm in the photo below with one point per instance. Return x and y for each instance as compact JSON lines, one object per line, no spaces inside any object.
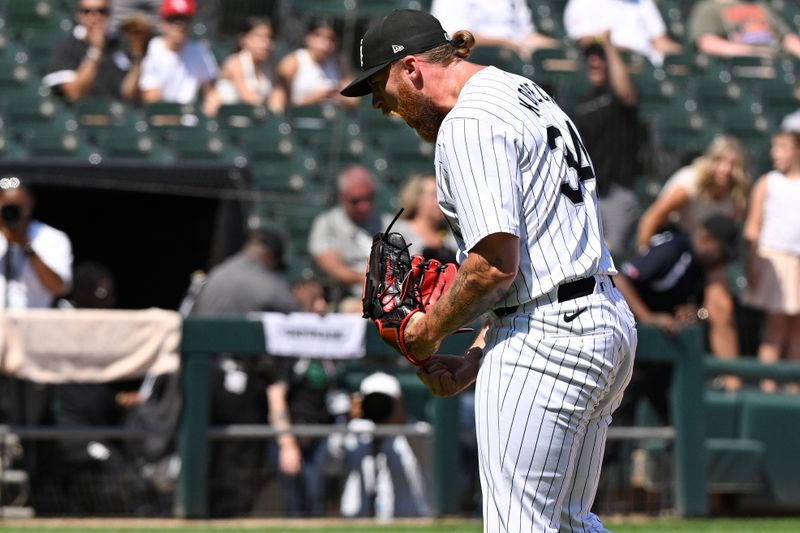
{"x":791,"y":43}
{"x":717,"y":46}
{"x":49,"y":279}
{"x":130,"y":84}
{"x":279,"y":417}
{"x":477,"y":288}
{"x":618,"y":75}
{"x":639,"y":309}
{"x":85,"y":75}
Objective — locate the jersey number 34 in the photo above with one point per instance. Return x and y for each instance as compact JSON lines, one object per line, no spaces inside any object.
{"x":574,"y":161}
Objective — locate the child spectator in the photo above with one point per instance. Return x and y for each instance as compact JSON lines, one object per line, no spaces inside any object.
{"x":248,"y":75}
{"x":772,"y":232}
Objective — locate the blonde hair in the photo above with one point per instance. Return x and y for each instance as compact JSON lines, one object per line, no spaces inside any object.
{"x":460,"y":46}
{"x":411,"y":192}
{"x":704,"y":169}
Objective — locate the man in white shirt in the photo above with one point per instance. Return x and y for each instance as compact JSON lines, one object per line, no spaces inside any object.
{"x":35,"y":259}
{"x":177,"y":67}
{"x":506,"y":23}
{"x":635,"y":25}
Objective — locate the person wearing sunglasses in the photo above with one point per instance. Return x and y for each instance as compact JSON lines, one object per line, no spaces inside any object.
{"x":176,"y":67}
{"x":90,"y":62}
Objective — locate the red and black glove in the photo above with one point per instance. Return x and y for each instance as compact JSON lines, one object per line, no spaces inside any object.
{"x":398,"y":285}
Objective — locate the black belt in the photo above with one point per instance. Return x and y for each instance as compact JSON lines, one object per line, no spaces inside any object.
{"x":566,"y":292}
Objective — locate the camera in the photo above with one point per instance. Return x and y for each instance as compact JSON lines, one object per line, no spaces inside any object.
{"x":11,"y":215}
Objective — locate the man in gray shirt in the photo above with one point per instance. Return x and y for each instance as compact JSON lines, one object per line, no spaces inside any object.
{"x":252,"y":280}
{"x":341,"y":237}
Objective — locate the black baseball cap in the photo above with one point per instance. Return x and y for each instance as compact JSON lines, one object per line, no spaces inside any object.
{"x":726,"y":231}
{"x":401,"y":33}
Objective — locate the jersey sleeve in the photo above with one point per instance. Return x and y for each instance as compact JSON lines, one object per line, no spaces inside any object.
{"x":484,"y":182}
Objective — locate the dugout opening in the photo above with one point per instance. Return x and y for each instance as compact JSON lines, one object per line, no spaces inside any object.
{"x":151,"y":225}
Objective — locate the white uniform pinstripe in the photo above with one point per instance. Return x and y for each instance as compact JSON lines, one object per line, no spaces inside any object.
{"x":509,"y":160}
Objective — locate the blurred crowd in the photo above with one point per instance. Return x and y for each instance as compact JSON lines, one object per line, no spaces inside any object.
{"x":678,"y":255}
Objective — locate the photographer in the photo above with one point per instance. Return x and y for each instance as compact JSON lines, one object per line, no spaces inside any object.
{"x":36,"y":258}
{"x":383,"y":477}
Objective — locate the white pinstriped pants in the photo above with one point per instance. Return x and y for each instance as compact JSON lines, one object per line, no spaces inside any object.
{"x":543,"y":402}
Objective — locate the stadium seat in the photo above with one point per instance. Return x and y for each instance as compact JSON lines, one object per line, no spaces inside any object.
{"x":10,"y":150}
{"x":38,"y":45}
{"x":170,"y":115}
{"x":39,"y":15}
{"x":44,"y":140}
{"x":101,"y":112}
{"x":502,"y":58}
{"x":333,"y":8}
{"x":241,"y":115}
{"x":277,"y":161}
{"x":29,"y":107}
{"x":199,"y":144}
{"x":125,"y":142}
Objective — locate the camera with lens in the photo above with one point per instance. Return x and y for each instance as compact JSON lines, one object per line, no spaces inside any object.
{"x":11,"y":214}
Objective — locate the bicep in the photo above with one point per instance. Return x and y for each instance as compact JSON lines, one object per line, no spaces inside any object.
{"x":500,"y":251}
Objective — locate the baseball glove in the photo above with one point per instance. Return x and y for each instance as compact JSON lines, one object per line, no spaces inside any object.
{"x":398,"y":285}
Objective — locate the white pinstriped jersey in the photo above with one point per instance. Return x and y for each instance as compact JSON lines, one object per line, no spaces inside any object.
{"x":509,"y":160}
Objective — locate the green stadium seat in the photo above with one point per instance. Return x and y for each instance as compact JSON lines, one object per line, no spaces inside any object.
{"x":277,"y":161}
{"x":241,"y":115}
{"x":165,"y":116}
{"x":44,"y":140}
{"x":10,"y":150}
{"x":199,"y":144}
{"x":102,"y":112}
{"x":38,"y":45}
{"x":502,"y":58}
{"x":40,"y":15}
{"x":372,"y":9}
{"x":26,"y":108}
{"x":333,"y":8}
{"x":125,"y":142}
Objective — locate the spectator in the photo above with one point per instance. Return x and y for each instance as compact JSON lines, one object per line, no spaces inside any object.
{"x":341,"y":237}
{"x":772,"y":232}
{"x":176,"y":67}
{"x":634,"y":25}
{"x":312,"y":74}
{"x":93,"y":288}
{"x":730,"y":28}
{"x":35,"y":268}
{"x":37,"y":259}
{"x":250,"y":281}
{"x":607,"y":118}
{"x":715,"y":183}
{"x":122,"y":10}
{"x":664,"y":286}
{"x":248,"y":76}
{"x":506,"y":23}
{"x":422,"y":222}
{"x":383,"y":477}
{"x":90,"y":62}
